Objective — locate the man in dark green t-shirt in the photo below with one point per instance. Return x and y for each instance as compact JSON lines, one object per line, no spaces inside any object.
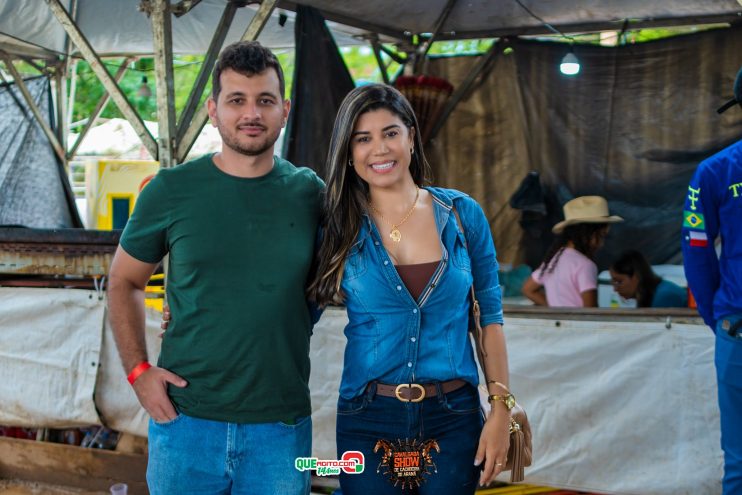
{"x":229,"y":397}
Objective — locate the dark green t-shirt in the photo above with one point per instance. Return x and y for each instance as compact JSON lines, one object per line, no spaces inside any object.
{"x":240,"y":251}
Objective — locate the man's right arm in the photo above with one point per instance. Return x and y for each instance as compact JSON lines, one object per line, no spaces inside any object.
{"x":127,"y":279}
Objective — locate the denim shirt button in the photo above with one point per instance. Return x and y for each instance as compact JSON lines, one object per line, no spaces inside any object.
{"x":413,"y":339}
{"x":399,"y":287}
{"x":386,"y":262}
{"x":409,"y":365}
{"x":414,"y":311}
{"x":376,"y":242}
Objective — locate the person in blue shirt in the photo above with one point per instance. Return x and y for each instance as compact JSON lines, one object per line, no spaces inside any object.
{"x":713,"y":207}
{"x":395,"y":253}
{"x":633,"y":278}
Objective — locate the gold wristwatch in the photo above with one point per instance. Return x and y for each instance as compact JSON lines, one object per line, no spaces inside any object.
{"x":508,"y":400}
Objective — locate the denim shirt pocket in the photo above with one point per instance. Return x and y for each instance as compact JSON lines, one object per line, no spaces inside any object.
{"x":460,"y":253}
{"x":356,"y":263}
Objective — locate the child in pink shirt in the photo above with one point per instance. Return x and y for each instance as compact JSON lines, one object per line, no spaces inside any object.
{"x":568,"y":276}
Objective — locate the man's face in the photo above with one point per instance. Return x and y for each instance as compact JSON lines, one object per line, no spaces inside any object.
{"x":249,"y":111}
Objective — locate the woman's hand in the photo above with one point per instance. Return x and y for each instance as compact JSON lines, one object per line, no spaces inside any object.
{"x":166,"y":316}
{"x":494,"y":443}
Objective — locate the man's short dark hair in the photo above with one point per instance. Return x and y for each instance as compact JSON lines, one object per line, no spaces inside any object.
{"x":247,"y":58}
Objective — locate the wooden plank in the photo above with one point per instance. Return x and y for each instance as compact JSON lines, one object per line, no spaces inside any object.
{"x":67,"y":465}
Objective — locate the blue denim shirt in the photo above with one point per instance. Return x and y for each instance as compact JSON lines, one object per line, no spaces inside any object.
{"x":393,"y":338}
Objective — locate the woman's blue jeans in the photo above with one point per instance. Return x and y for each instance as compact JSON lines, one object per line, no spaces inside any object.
{"x":198,"y":456}
{"x":454,"y":420}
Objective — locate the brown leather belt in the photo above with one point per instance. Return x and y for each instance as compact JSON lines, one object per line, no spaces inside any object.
{"x":415,"y":392}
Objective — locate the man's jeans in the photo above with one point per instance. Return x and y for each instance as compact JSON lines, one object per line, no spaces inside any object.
{"x":729,"y":377}
{"x":197,"y":456}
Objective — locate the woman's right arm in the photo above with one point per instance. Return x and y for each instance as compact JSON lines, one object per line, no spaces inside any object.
{"x":589,"y":298}
{"x":534,"y":291}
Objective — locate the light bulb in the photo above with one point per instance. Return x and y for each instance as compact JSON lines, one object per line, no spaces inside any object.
{"x":570,"y":65}
{"x":144,"y":91}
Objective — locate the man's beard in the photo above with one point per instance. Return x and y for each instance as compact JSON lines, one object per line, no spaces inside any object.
{"x":254,"y":148}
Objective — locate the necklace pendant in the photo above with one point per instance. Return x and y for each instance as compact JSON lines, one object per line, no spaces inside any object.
{"x":395,"y":235}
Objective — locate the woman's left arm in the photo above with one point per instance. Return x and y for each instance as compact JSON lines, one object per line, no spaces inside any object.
{"x":494,"y":440}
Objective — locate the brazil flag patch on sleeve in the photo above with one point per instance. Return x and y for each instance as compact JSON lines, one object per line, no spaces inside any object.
{"x":693,"y":220}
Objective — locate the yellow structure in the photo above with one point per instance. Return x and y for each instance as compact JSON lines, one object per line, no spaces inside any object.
{"x":112,"y":189}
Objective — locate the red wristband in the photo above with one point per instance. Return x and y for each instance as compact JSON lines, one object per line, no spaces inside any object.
{"x":138,"y":370}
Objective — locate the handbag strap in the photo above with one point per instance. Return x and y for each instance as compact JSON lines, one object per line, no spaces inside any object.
{"x":476,"y":312}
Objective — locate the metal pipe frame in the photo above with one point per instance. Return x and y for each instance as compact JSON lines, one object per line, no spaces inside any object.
{"x":375,"y":45}
{"x":98,"y":110}
{"x":464,"y":88}
{"x":34,"y":108}
{"x":162,"y":36}
{"x":252,"y":32}
{"x":424,"y":48}
{"x":206,"y":67}
{"x":104,"y":77}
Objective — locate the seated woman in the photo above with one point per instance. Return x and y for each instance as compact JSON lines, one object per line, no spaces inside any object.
{"x":568,"y":276}
{"x":633,"y":278}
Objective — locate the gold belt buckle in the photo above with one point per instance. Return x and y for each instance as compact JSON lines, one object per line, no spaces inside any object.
{"x":398,"y":392}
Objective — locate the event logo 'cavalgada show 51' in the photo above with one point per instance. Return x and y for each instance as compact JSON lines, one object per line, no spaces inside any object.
{"x":406,"y":462}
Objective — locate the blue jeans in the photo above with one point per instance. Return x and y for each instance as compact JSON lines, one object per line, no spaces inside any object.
{"x":198,"y":456}
{"x":454,"y":420}
{"x":728,"y":358}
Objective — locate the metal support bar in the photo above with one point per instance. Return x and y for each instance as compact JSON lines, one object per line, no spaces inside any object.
{"x":162,"y":36}
{"x":183,"y":7}
{"x":202,"y":115}
{"x":377,"y":54}
{"x":93,"y":118}
{"x":208,"y":64}
{"x":393,"y":55}
{"x":60,"y":100}
{"x":43,"y":70}
{"x":463,"y":89}
{"x":105,"y":78}
{"x":34,"y":108}
{"x":423,"y":49}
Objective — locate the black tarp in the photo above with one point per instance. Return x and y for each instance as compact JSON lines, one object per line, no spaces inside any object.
{"x":632,"y":127}
{"x":34,"y":189}
{"x":321,"y":81}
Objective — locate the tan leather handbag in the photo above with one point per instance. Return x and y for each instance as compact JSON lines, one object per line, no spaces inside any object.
{"x":520,"y":452}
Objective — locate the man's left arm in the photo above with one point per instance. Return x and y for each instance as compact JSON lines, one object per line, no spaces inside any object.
{"x":700,"y":228}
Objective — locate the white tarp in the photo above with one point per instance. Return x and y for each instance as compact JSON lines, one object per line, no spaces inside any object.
{"x":50,"y":346}
{"x":616,"y":407}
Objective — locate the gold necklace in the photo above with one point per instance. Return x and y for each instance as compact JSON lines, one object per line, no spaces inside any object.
{"x":395,"y":234}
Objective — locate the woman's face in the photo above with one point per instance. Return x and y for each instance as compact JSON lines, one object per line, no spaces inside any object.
{"x":598,"y":239}
{"x":625,"y":285}
{"x":380,"y":147}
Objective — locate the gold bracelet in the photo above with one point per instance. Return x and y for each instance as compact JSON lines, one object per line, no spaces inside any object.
{"x":501,"y":385}
{"x":508,"y":400}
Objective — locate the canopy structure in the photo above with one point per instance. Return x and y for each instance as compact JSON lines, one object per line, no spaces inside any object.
{"x":116,"y":27}
{"x":58,"y":30}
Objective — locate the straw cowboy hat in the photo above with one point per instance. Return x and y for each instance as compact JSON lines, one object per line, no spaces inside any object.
{"x":585,"y":209}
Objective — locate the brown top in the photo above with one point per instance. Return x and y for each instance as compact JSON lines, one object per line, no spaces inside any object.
{"x":416,"y":277}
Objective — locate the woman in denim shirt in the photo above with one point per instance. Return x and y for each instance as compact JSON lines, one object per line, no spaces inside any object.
{"x":395,"y":254}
